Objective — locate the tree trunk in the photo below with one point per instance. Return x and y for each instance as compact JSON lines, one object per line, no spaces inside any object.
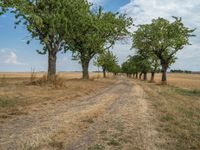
{"x":145,"y":76}
{"x":136,"y":75}
{"x":85,"y":72}
{"x":104,"y":72}
{"x":51,"y":64}
{"x":164,"y":74}
{"x":140,"y":76}
{"x":152,"y":76}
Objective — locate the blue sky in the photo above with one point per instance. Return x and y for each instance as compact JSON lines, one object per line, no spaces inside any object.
{"x":16,"y":55}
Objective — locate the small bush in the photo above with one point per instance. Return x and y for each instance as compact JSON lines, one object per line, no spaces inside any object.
{"x":55,"y":82}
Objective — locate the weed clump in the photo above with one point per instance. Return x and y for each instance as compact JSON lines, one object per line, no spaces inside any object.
{"x":55,"y":82}
{"x":6,"y":103}
{"x":96,"y":147}
{"x":188,"y":92}
{"x":113,"y":142}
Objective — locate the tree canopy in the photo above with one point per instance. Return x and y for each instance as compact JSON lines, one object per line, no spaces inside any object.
{"x":161,"y":40}
{"x":108,"y":61}
{"x":50,"y":22}
{"x":98,"y":32}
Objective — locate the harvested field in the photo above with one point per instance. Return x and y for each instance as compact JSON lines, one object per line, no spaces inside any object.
{"x":182,"y":80}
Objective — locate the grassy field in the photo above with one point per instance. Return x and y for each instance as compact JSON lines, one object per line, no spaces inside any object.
{"x":177,"y":109}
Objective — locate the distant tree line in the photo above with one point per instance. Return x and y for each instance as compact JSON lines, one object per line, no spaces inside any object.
{"x":181,"y":71}
{"x":108,"y":63}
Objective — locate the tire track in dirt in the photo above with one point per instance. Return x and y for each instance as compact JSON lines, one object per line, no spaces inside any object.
{"x":125,"y":125}
{"x":115,"y":118}
{"x":37,"y":128}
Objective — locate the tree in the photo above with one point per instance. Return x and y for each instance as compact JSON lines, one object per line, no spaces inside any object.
{"x":97,"y":33}
{"x":116,"y":69}
{"x":163,"y":39}
{"x":143,"y":65}
{"x":107,"y":61}
{"x":125,"y":68}
{"x":143,"y":46}
{"x":49,"y":21}
{"x":155,"y":66}
{"x":136,"y":64}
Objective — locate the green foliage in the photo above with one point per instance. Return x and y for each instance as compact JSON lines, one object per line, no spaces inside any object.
{"x":116,"y":69}
{"x":98,"y":32}
{"x":136,"y":64}
{"x":161,"y":40}
{"x":63,"y":25}
{"x":48,"y":20}
{"x":107,"y":61}
{"x":3,"y":7}
{"x":51,"y":22}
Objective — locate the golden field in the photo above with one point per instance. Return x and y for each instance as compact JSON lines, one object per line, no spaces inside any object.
{"x":17,"y":95}
{"x":175,"y":79}
{"x":112,"y":113}
{"x":181,"y":80}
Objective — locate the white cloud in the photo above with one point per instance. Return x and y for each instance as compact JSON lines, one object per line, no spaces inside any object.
{"x":143,"y":11}
{"x":9,"y":57}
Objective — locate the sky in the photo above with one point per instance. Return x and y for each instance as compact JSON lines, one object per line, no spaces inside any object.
{"x":16,"y":55}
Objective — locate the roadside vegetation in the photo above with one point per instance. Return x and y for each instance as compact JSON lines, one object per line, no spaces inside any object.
{"x":177,"y":115}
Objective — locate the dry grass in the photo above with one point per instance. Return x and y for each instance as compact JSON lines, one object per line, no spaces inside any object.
{"x":127,"y":110}
{"x":67,"y":75}
{"x":177,"y":111}
{"x":181,"y":80}
{"x":18,"y":97}
{"x":54,"y":82}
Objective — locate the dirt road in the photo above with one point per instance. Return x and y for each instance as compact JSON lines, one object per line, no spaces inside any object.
{"x":119,"y":117}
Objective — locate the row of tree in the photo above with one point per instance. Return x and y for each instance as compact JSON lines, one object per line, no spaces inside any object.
{"x":62,"y":25}
{"x":156,"y":46}
{"x":108,"y":62}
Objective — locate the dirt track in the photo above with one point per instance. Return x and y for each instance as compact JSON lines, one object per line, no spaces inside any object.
{"x":119,"y":117}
